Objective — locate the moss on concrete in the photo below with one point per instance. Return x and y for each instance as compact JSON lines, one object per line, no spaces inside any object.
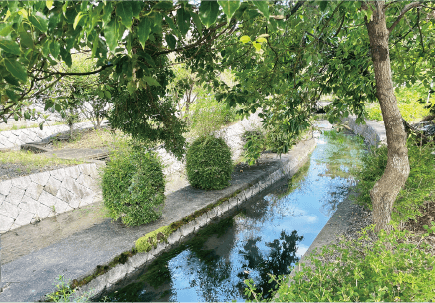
{"x":145,"y":243}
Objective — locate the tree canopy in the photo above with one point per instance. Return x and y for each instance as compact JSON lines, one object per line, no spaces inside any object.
{"x":284,"y":54}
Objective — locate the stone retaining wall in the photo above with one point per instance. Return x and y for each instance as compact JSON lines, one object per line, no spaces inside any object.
{"x":290,"y":164}
{"x":373,"y":132}
{"x":28,"y":199}
{"x":13,"y":139}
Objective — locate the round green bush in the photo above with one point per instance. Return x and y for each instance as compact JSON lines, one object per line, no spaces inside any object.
{"x":133,"y":186}
{"x":208,"y":163}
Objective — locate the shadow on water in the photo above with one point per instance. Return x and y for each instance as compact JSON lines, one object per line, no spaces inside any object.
{"x":266,"y":236}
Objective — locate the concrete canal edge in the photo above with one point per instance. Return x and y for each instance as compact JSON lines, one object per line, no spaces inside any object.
{"x":290,"y":163}
{"x":373,"y":133}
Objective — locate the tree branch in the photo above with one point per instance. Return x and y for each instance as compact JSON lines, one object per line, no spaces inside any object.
{"x":419,"y":29}
{"x":74,"y":74}
{"x":295,"y":9}
{"x":402,"y":13}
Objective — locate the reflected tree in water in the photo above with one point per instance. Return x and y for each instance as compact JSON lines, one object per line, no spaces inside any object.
{"x":277,"y":262}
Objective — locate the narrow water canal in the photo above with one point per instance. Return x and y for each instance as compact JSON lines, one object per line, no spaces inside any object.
{"x":271,"y":232}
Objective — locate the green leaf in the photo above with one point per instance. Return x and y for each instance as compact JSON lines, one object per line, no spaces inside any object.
{"x":245,"y":39}
{"x":124,"y":10}
{"x":144,"y":30}
{"x":183,"y":21}
{"x":46,"y":48}
{"x":49,"y":4}
{"x":11,"y":80}
{"x":107,"y":12}
{"x":57,"y":107}
{"x":77,"y":19}
{"x":107,"y":94}
{"x":111,"y":33}
{"x":323,"y":5}
{"x":136,"y":7}
{"x":263,"y":7}
{"x":208,"y":12}
{"x":39,"y":21}
{"x":54,"y":49}
{"x":229,"y":8}
{"x":27,"y":115}
{"x":256,"y":45}
{"x":66,"y":56}
{"x":151,"y":81}
{"x":100,"y":94}
{"x":171,"y":23}
{"x":16,"y":69}
{"x":163,"y":5}
{"x":261,"y":40}
{"x":10,"y":46}
{"x":5,"y":29}
{"x":197,"y":22}
{"x":12,"y":95}
{"x":171,"y":41}
{"x":26,"y":39}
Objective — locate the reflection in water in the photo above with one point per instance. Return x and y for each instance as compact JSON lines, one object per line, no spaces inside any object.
{"x":277,"y":262}
{"x":270,"y":234}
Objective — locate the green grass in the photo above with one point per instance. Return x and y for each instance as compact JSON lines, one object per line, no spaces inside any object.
{"x":411,"y":102}
{"x":418,"y":188}
{"x":31,"y":161}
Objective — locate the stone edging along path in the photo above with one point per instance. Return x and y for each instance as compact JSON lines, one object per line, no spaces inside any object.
{"x":28,"y":199}
{"x":13,"y":139}
{"x":288,"y":165}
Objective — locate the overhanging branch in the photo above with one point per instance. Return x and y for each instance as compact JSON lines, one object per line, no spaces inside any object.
{"x":402,"y":13}
{"x":49,"y":74}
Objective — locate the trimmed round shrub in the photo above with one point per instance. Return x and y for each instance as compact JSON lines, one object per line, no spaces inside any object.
{"x":133,"y":186}
{"x":208,"y":163}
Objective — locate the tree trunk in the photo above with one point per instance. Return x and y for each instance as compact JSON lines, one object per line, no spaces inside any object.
{"x":385,"y":191}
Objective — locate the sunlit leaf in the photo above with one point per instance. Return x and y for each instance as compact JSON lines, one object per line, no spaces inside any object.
{"x":151,"y":81}
{"x":229,"y":8}
{"x":144,"y":30}
{"x":39,"y":20}
{"x":245,"y":39}
{"x":208,"y":11}
{"x":77,"y":19}
{"x":49,"y":4}
{"x":16,"y":69}
{"x":263,"y":7}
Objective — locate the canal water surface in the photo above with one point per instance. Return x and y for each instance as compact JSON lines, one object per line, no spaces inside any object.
{"x":266,"y":236}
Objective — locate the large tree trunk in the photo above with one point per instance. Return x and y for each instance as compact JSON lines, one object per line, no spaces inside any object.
{"x":385,"y":191}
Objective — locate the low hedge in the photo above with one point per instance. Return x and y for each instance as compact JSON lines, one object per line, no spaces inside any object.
{"x":208,"y":163}
{"x":133,"y":186}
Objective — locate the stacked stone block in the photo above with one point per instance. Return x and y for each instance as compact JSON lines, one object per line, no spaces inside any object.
{"x":28,"y":199}
{"x":13,"y":139}
{"x":373,"y":131}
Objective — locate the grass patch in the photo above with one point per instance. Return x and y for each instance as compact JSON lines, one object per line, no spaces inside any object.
{"x":32,"y":161}
{"x":91,"y":138}
{"x":418,"y":188}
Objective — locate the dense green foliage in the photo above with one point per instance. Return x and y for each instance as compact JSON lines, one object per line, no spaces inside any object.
{"x":133,"y":185}
{"x":208,"y":163}
{"x":418,"y":188}
{"x":386,"y":268}
{"x":411,"y":101}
